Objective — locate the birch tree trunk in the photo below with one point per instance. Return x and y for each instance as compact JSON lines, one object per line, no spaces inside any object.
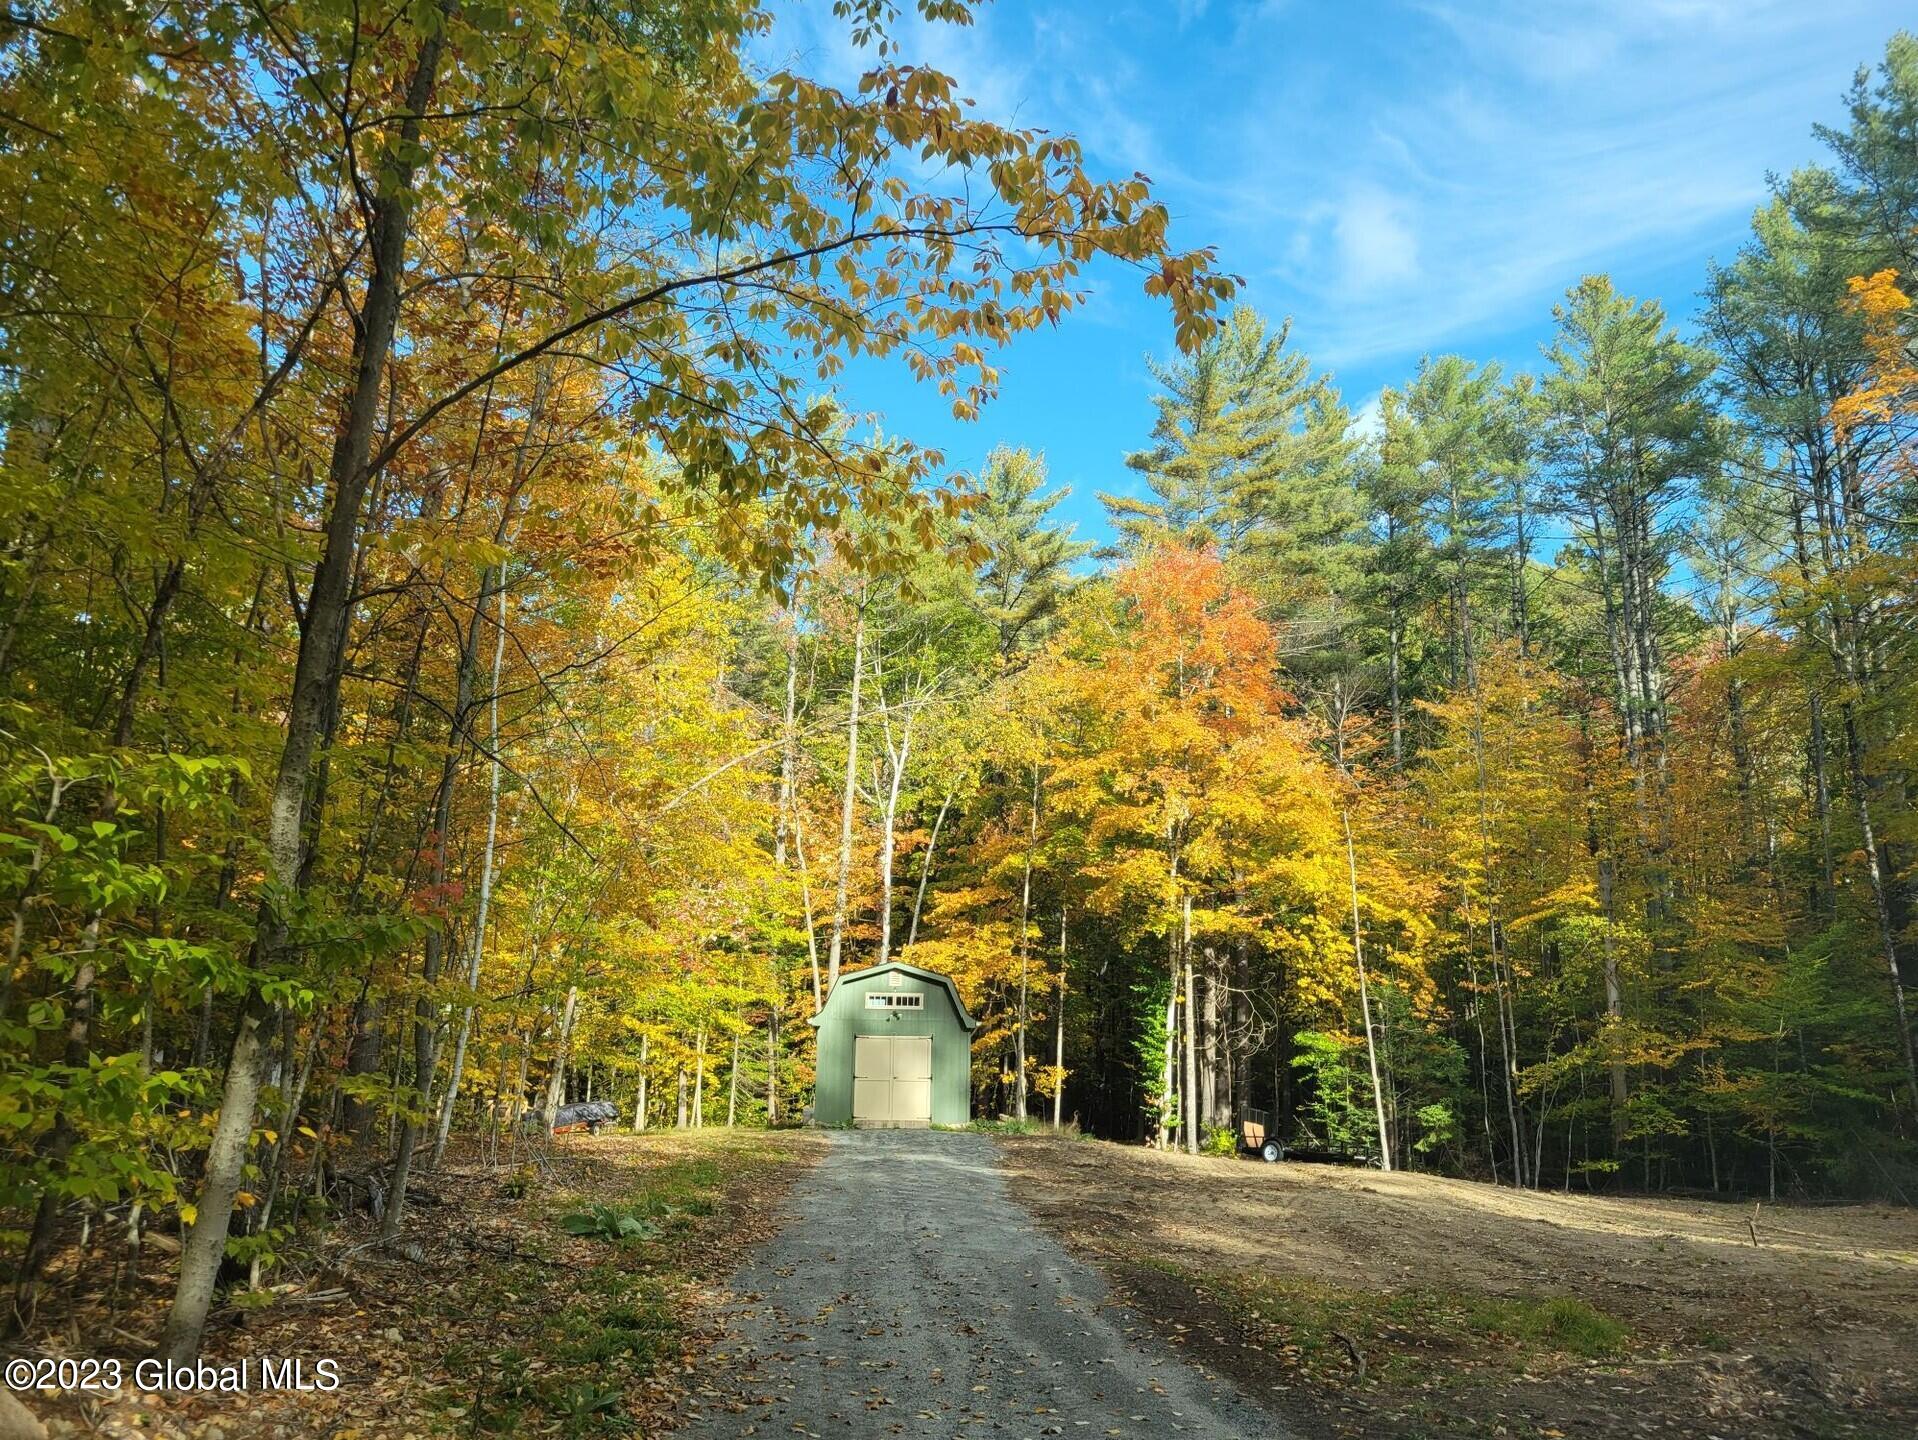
{"x":805,"y":901}
{"x":788,"y":759}
{"x":1210,"y":1089}
{"x":639,"y":1103}
{"x":847,"y":800}
{"x":1190,"y":1085}
{"x":896,"y":761}
{"x":1365,"y":1001}
{"x":1025,"y":956}
{"x":1163,"y":1137}
{"x":925,"y":869}
{"x":1059,"y":1031}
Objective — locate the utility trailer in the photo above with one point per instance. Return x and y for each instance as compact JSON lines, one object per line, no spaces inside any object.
{"x":1257,"y":1140}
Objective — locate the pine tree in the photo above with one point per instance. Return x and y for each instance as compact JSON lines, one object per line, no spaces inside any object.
{"x":1246,"y":433}
{"x":1027,"y":570}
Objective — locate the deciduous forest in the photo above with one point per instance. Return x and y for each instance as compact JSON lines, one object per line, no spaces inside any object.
{"x":465,"y":647}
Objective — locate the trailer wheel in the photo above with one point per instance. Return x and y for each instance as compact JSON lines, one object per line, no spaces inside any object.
{"x":1272,"y":1152}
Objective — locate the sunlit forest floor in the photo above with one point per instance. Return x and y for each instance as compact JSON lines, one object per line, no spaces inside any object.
{"x":1409,"y":1305}
{"x":489,"y":1318}
{"x":1350,"y":1302}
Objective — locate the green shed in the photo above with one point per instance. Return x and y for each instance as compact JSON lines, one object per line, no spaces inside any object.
{"x":895,"y":1050}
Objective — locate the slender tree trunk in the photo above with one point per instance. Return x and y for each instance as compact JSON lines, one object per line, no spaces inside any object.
{"x":1209,"y":1039}
{"x":1166,"y":1076}
{"x":289,"y":1121}
{"x":1614,"y":1003}
{"x":363,"y":1058}
{"x":516,"y":1107}
{"x":1025,"y":956}
{"x":699,"y":1083}
{"x":485,"y":894}
{"x":788,"y":756}
{"x":732,"y":1086}
{"x":1395,"y":634}
{"x":1059,"y":1031}
{"x":562,"y":1051}
{"x":1494,"y":932}
{"x":682,"y":1097}
{"x":1818,"y":749}
{"x":847,"y":801}
{"x":897,"y":763}
{"x":639,"y":1101}
{"x":1190,"y":1083}
{"x":1365,"y":1001}
{"x":925,"y":870}
{"x":1484,"y":1052}
{"x":805,"y":901}
{"x":426,"y":1009}
{"x":226,"y":1157}
{"x":1520,"y":554}
{"x":772,"y":1061}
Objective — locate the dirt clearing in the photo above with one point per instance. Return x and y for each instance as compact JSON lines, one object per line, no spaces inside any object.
{"x":1411,"y":1305}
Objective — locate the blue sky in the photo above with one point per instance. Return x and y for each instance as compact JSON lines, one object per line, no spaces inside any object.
{"x":1400,"y":178}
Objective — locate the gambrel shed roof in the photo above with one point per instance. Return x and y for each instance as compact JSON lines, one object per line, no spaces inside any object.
{"x":918,"y":973}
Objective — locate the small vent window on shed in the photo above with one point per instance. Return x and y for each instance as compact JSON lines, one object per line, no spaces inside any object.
{"x":895,"y":1002}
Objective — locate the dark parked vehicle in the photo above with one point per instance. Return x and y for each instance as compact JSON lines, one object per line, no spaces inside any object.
{"x":587,"y":1115}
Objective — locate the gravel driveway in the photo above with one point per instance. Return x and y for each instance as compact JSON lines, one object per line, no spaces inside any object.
{"x":909,"y":1294}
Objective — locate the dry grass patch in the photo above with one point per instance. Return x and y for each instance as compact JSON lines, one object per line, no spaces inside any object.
{"x":1413,"y":1305}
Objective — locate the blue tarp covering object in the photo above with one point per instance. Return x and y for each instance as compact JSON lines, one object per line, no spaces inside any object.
{"x":590,"y":1113}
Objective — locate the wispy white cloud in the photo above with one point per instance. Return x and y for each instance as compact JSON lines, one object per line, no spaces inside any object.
{"x":1435,"y":171}
{"x":1377,"y":248}
{"x":1485,"y":156}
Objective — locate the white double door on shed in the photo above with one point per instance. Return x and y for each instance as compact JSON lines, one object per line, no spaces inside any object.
{"x":892,"y":1080}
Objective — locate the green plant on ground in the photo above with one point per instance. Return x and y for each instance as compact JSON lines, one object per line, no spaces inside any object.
{"x":588,"y":1408}
{"x":556,"y":1347}
{"x":607,"y":1223}
{"x":1219,"y":1140}
{"x":1004,"y":1125}
{"x":1561,"y":1323}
